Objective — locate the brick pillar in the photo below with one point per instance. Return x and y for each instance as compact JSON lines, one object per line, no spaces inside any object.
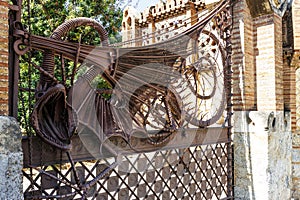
{"x":289,"y":84}
{"x":243,"y":84}
{"x":262,"y":136}
{"x":4,"y":57}
{"x":269,"y":65}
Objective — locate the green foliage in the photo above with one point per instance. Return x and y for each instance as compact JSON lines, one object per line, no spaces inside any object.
{"x":42,"y":17}
{"x":46,"y":15}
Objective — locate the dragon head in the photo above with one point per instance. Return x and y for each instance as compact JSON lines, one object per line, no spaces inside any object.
{"x":53,"y":118}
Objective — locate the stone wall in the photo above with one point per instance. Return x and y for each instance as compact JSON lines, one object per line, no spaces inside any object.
{"x":11,"y":160}
{"x":262,"y":151}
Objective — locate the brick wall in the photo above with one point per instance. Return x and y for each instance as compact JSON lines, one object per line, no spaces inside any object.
{"x":257,"y":59}
{"x":296,"y":21}
{"x":160,"y":17}
{"x":289,"y":68}
{"x":289,"y":89}
{"x":269,"y":67}
{"x":265,"y":61}
{"x":296,"y":55}
{"x":3,"y":57}
{"x":278,"y":62}
{"x":244,"y":85}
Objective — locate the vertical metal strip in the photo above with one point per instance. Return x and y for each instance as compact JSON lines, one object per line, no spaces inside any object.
{"x":13,"y":63}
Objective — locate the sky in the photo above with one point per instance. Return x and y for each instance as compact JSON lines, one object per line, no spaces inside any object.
{"x":141,"y":5}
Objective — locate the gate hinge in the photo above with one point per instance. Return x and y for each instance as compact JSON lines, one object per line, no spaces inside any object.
{"x":21,"y":44}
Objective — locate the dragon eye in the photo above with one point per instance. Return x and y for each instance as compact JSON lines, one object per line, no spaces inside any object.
{"x":39,"y":94}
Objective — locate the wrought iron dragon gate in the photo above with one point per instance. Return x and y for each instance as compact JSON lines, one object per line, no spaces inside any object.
{"x":162,"y":130}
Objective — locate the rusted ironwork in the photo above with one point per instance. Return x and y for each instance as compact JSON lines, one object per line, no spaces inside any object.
{"x":52,"y":117}
{"x":81,"y":153}
{"x":198,"y":172}
{"x":162,"y":95}
{"x":14,"y":28}
{"x":102,"y":60}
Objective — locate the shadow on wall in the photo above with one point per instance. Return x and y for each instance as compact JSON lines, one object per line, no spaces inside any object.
{"x":259,"y":7}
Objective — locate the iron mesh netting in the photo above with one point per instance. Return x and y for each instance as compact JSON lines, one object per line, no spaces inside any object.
{"x":199,"y":172}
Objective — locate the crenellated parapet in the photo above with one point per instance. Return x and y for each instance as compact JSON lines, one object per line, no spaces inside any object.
{"x":161,"y":21}
{"x":130,"y":23}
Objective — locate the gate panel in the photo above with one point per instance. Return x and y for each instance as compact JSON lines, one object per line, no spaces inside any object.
{"x":199,"y":172}
{"x":195,"y":160}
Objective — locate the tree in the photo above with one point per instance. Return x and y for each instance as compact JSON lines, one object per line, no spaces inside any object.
{"x":42,"y":17}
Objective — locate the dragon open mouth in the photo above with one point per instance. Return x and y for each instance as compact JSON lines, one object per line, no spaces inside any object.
{"x":53,"y":118}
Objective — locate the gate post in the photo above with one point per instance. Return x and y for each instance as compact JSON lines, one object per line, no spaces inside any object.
{"x":262,"y":126}
{"x":11,"y":159}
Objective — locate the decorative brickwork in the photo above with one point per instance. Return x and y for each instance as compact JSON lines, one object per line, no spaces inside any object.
{"x":257,"y":59}
{"x":3,"y":57}
{"x":244,"y":85}
{"x":298,"y":99}
{"x":289,"y":89}
{"x":278,"y":55}
{"x":269,"y":67}
{"x":296,"y":54}
{"x":289,"y":68}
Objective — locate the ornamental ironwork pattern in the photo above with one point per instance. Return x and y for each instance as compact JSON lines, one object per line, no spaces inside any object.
{"x":199,"y":172}
{"x":161,"y":95}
